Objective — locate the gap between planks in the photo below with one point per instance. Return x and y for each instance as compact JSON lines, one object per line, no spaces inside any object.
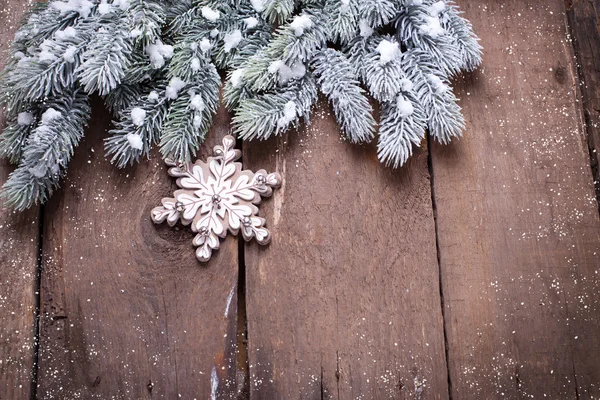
{"x":439,"y":265}
{"x":243,"y":371}
{"x":581,"y":86}
{"x":37,"y":306}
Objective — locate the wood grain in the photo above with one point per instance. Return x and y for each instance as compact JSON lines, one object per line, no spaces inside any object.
{"x":19,"y":246}
{"x":518,"y":225}
{"x":584,"y":23}
{"x":128,"y":312}
{"x":344,"y":303}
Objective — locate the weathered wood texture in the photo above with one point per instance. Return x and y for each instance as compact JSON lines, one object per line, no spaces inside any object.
{"x":518,"y":225}
{"x":127,"y":310}
{"x":584,"y":22}
{"x":344,"y":303}
{"x":19,"y":245}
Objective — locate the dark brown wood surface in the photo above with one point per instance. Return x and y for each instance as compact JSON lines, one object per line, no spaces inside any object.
{"x":127,"y":310}
{"x":345,"y":301}
{"x":371,"y":273}
{"x":19,"y":244}
{"x":518,"y":225}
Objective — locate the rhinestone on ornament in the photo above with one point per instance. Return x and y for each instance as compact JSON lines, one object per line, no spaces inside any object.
{"x":216,"y":197}
{"x":261,"y":179}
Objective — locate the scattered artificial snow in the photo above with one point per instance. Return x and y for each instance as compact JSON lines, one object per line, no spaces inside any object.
{"x":232,"y":39}
{"x":406,"y":85}
{"x":205,"y":45}
{"x":50,"y":115}
{"x":138,"y":115}
{"x":300,"y":23}
{"x":387,"y":51}
{"x":259,"y":5}
{"x":236,"y":77}
{"x":405,"y":107}
{"x":193,"y":46}
{"x":20,"y":55}
{"x":275,"y":66}
{"x":210,"y":14}
{"x":195,"y":64}
{"x":24,"y":118}
{"x":153,"y":95}
{"x":438,"y":85}
{"x":365,"y":29}
{"x":46,"y":53}
{"x":67,"y":33}
{"x":345,"y":5}
{"x":135,"y":141}
{"x":436,"y":8}
{"x":82,"y":7}
{"x":197,"y":103}
{"x":289,"y":114}
{"x":250,"y":22}
{"x":414,"y":2}
{"x":432,"y":27}
{"x":214,"y":33}
{"x":39,"y":171}
{"x":197,"y":121}
{"x":46,"y":56}
{"x":135,"y":33}
{"x":297,"y":71}
{"x":69,"y":54}
{"x":104,"y":8}
{"x":158,"y":52}
{"x":175,"y":85}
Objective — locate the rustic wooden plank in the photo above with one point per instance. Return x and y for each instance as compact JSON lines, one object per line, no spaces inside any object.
{"x":584,"y":23}
{"x":518,"y":225}
{"x":127,"y":310}
{"x":19,"y":246}
{"x":344,"y":302}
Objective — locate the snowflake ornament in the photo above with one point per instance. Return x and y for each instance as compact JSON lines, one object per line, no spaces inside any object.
{"x":217,"y":196}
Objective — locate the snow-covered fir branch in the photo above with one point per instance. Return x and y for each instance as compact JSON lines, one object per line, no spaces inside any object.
{"x":158,"y":66}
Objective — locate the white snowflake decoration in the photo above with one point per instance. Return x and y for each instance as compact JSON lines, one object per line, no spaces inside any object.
{"x":217,"y":196}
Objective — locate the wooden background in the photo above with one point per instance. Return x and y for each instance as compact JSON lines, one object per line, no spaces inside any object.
{"x":471,"y":273}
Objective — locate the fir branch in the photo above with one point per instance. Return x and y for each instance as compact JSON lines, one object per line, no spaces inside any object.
{"x":48,"y":151}
{"x":15,"y":134}
{"x":278,"y":11}
{"x":337,"y":81}
{"x":435,"y":95}
{"x":275,"y":112}
{"x":190,"y":117}
{"x":129,"y":140}
{"x":106,"y":55}
{"x":342,"y":20}
{"x":464,"y":38}
{"x":377,"y":13}
{"x":415,"y":29}
{"x":124,"y":96}
{"x":147,"y":18}
{"x":402,"y":126}
{"x":180,"y":15}
{"x":41,"y":23}
{"x":47,"y":70}
{"x":382,"y":73}
{"x":290,"y":47}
